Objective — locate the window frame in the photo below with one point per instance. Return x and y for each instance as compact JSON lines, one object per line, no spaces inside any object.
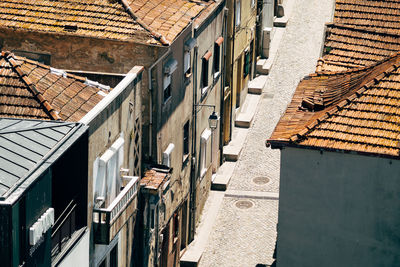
{"x":205,"y":72}
{"x":238,"y":13}
{"x":167,"y":87}
{"x":186,"y":141}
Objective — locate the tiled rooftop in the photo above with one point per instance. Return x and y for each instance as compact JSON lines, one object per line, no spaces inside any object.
{"x":352,"y":102}
{"x":154,"y":178}
{"x":356,"y":110}
{"x":363,"y":32}
{"x":29,"y":89}
{"x":155,"y":22}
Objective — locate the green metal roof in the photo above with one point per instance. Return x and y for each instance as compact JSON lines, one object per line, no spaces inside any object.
{"x":25,"y":145}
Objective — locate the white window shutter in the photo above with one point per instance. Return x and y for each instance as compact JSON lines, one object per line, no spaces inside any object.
{"x":167,"y":155}
{"x":186,"y":61}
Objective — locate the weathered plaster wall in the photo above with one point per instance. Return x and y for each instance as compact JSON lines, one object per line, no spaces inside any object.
{"x":239,"y":39}
{"x":118,"y":117}
{"x":169,"y":119}
{"x":72,"y":52}
{"x":338,"y":209}
{"x":206,"y":37}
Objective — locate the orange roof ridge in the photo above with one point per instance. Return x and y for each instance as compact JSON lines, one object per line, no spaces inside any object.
{"x":348,"y":71}
{"x":156,"y":35}
{"x":316,"y":118}
{"x":11,"y":60}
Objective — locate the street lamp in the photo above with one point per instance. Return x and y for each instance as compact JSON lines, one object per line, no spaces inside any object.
{"x":213,"y":120}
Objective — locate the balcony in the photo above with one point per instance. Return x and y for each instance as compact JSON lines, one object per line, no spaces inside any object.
{"x":108,"y":221}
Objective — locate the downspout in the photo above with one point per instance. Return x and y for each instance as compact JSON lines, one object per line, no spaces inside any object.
{"x":194,"y":159}
{"x":151,"y":98}
{"x":232,"y":63}
{"x":221,"y":132}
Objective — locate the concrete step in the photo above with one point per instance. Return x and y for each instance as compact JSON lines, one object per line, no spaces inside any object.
{"x":232,"y":150}
{"x":257,"y":84}
{"x":223,"y":176}
{"x":273,"y":51}
{"x":260,"y":67}
{"x":195,"y":250}
{"x":247,"y":112}
{"x":281,"y":22}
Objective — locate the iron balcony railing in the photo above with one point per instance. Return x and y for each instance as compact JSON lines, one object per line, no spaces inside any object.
{"x":109,"y":220}
{"x":63,"y":229}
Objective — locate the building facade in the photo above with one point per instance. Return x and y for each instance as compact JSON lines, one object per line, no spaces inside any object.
{"x":240,"y":58}
{"x":42,"y":211}
{"x":340,"y":148}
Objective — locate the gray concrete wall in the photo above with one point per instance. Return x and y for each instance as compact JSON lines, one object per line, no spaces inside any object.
{"x":338,"y":209}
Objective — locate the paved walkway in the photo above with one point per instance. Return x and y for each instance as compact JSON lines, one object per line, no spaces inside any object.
{"x":244,"y":235}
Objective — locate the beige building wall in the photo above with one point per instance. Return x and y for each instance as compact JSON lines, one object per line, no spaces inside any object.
{"x":108,"y":121}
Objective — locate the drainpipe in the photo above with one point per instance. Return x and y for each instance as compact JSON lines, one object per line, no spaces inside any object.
{"x":151,"y":99}
{"x":232,"y":63}
{"x":193,"y":175}
{"x":221,"y":132}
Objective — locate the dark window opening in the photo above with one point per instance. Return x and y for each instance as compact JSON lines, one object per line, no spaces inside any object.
{"x":216,"y":57}
{"x":185,"y":140}
{"x":204,"y":73}
{"x":246,"y":66}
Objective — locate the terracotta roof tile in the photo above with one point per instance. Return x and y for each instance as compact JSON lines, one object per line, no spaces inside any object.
{"x":362,"y":33}
{"x":357,"y":110}
{"x":32,"y":90}
{"x":109,"y":19}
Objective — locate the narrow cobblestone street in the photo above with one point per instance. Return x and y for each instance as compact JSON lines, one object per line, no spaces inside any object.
{"x":244,"y":235}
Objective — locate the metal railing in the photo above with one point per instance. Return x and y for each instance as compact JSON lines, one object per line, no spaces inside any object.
{"x":63,"y":228}
{"x":105,"y":217}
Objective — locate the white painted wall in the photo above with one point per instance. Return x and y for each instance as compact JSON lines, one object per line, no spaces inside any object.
{"x":79,"y":255}
{"x":338,"y":209}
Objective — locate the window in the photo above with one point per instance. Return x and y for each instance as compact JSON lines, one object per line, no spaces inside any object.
{"x":152,"y":216}
{"x":204,"y":72}
{"x":186,"y":64}
{"x":246,"y":67}
{"x":204,"y":157}
{"x":167,"y":87}
{"x":169,"y":68}
{"x":108,"y":173}
{"x":111,"y":259}
{"x":238,"y":13}
{"x":189,"y":44}
{"x":167,"y":155}
{"x":186,"y":141}
{"x":217,"y":55}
